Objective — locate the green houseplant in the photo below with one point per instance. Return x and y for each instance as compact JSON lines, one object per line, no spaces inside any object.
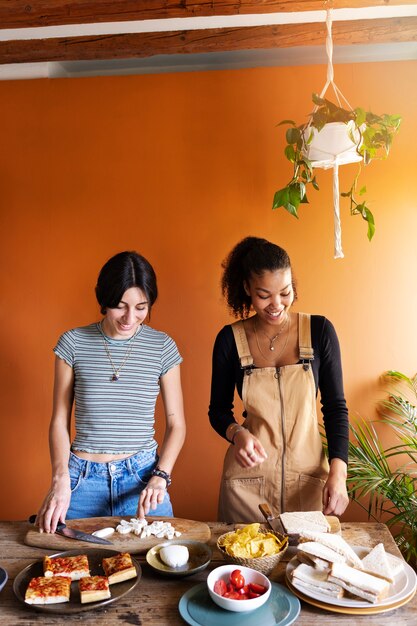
{"x":386,"y":479}
{"x":370,"y":137}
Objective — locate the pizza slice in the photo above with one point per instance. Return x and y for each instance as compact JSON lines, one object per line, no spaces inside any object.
{"x":43,"y":590}
{"x":75,"y":567}
{"x":94,"y":588}
{"x":119,"y":567}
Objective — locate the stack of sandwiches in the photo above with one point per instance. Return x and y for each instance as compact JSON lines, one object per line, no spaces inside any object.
{"x":295,"y":522}
{"x":329,"y":566}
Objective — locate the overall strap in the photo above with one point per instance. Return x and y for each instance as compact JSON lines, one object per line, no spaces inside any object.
{"x":304,"y":337}
{"x":245,"y":357}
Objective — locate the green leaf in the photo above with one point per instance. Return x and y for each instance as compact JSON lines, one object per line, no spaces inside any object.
{"x":291,"y":209}
{"x":315,"y":184}
{"x":286,"y":122}
{"x":367,"y":216}
{"x":362,"y":191}
{"x":292,"y":135}
{"x":296,"y":194}
{"x":360,"y":116}
{"x":290,"y":153}
{"x":281,"y":198}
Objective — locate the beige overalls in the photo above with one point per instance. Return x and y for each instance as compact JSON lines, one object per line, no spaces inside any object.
{"x":280,"y":403}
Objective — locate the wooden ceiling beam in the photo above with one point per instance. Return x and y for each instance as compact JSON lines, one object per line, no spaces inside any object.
{"x":25,"y":14}
{"x":124,"y":46}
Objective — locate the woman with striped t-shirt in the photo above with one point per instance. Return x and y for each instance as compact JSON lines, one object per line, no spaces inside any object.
{"x":113,"y":371}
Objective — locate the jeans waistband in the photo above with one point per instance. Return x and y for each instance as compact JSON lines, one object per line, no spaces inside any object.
{"x":136,"y":461}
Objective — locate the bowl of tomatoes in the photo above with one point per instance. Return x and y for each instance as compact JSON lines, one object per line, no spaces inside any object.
{"x":238,"y":588}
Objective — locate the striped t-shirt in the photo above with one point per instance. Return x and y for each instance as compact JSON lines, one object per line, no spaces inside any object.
{"x":116,"y":417}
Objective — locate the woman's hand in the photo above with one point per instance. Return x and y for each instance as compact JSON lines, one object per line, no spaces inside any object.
{"x":335,"y":497}
{"x":55,"y":506}
{"x":249,"y":452}
{"x":151,"y":496}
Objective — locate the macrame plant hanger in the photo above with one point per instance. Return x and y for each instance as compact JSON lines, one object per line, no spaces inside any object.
{"x":347,"y":154}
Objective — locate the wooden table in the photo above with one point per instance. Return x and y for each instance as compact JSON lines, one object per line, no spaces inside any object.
{"x":154,"y":602}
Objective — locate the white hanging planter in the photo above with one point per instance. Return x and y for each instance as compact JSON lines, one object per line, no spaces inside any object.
{"x":337,"y":143}
{"x":332,"y":145}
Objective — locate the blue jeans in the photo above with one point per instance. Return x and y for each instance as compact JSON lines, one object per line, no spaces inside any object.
{"x":112,"y":489}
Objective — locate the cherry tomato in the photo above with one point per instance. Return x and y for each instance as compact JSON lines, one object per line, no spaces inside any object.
{"x":244,"y":590}
{"x":255,"y":588}
{"x":232,"y":595}
{"x":237,"y":579}
{"x":220,"y":587}
{"x":253,"y":595}
{"x":230,"y":587}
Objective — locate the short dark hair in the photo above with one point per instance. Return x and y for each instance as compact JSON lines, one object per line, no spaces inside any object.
{"x":123,"y":271}
{"x":252,"y":255}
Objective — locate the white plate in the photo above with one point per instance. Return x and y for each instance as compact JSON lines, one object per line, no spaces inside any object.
{"x":404,"y":584}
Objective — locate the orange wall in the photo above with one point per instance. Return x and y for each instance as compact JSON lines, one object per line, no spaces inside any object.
{"x":180,"y":167}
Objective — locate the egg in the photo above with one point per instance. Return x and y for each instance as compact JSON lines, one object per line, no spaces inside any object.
{"x":174,"y":556}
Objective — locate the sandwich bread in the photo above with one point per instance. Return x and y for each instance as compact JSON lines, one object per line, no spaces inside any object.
{"x":307,"y":578}
{"x":359,"y":583}
{"x":334,"y":542}
{"x":376,"y":563}
{"x":321,"y":556}
{"x":297,"y":521}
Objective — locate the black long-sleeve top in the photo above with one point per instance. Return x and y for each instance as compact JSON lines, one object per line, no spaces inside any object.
{"x":327,"y":371}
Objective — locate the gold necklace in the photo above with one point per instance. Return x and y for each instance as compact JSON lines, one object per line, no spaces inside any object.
{"x":117,"y":370}
{"x":276,"y":357}
{"x":273,"y":339}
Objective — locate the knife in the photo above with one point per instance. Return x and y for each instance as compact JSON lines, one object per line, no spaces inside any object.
{"x":70,"y":533}
{"x":273,"y":522}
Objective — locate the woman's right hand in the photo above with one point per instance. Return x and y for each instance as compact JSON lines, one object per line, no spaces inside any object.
{"x":249,"y":452}
{"x":55,"y":505}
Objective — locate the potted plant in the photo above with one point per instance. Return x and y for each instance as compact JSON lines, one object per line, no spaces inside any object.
{"x":387,"y":478}
{"x":334,"y":136}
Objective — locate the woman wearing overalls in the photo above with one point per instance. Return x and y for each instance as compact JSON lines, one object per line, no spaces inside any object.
{"x":277,"y":360}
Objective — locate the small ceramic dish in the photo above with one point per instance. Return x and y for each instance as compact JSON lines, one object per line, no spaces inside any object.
{"x":3,"y":578}
{"x":250,"y":576}
{"x":200,"y":557}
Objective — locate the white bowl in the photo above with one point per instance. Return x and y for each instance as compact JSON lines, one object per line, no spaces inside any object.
{"x":250,"y":575}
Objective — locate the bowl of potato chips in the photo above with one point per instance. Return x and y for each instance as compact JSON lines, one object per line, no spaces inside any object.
{"x":253,"y":546}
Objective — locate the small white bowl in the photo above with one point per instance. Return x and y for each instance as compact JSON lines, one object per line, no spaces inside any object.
{"x":250,"y":575}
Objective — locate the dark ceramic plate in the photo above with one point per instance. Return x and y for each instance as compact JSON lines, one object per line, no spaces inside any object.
{"x":3,"y":578}
{"x":74,"y":605}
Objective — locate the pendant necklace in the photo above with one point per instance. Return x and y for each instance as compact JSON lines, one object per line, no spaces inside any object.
{"x":116,"y":370}
{"x":273,"y":339}
{"x":276,"y":357}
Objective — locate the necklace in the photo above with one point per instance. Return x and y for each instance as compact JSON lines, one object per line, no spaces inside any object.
{"x":276,"y":357}
{"x":117,"y":370}
{"x":273,"y":339}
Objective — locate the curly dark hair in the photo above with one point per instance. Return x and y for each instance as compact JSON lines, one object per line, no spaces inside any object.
{"x":252,"y":255}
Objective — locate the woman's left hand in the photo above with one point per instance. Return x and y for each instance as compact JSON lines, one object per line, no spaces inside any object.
{"x":335,"y":497}
{"x":151,"y":496}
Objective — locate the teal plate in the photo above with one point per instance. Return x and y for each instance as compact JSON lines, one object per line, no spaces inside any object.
{"x":198,"y":609}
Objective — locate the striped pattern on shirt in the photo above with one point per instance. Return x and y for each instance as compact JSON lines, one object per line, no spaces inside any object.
{"x":116,"y":417}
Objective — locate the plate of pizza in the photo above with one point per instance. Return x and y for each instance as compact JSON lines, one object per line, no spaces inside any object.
{"x":75,"y":581}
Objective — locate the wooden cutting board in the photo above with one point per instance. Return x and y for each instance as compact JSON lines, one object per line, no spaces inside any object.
{"x":189,"y":529}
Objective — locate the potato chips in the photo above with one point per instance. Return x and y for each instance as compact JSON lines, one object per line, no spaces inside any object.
{"x":250,"y":543}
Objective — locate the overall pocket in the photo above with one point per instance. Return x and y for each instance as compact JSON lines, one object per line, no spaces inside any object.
{"x":239,"y":499}
{"x":310,"y":493}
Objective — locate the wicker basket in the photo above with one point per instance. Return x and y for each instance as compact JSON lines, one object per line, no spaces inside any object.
{"x":263,"y":564}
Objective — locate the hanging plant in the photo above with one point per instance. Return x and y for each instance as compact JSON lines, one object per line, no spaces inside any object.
{"x":333,"y":136}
